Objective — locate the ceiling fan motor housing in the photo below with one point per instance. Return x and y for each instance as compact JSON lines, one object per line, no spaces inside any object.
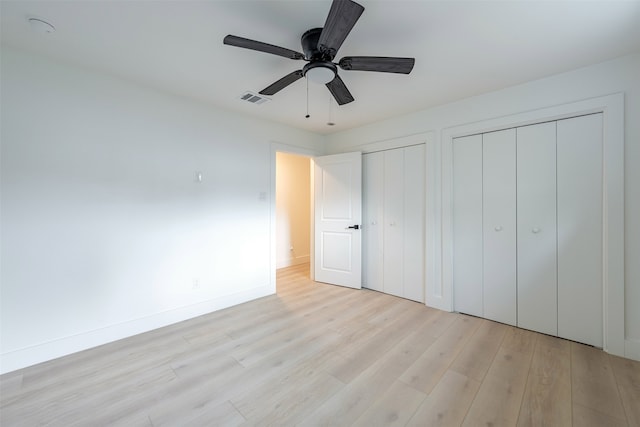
{"x":309,"y":42}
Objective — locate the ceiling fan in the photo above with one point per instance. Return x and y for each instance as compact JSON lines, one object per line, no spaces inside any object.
{"x":320,"y":46}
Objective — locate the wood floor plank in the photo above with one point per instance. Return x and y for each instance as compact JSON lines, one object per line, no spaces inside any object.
{"x":593,"y":382}
{"x":193,"y":367}
{"x":287,"y":333}
{"x":500,"y":395}
{"x":440,"y":322}
{"x":476,"y":357}
{"x":520,"y":340}
{"x":89,"y":366}
{"x":429,"y":369}
{"x":396,"y":406}
{"x":113,"y":398}
{"x":586,"y":417}
{"x":448,"y":403}
{"x":315,"y":390}
{"x":11,"y":384}
{"x":198,"y":396}
{"x":627,"y":373}
{"x":356,"y":397}
{"x":268,"y":394}
{"x":547,"y":397}
{"x":397,"y":307}
{"x":354,"y":363}
{"x":222,"y":415}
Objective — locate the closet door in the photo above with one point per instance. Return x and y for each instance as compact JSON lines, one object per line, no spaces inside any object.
{"x":413,"y":224}
{"x":393,"y":222}
{"x":467,"y":225}
{"x":580,"y":229}
{"x":372,"y":220}
{"x":499,"y":225}
{"x":537,"y":235}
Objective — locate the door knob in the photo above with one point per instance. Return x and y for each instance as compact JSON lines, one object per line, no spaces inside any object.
{"x":498,"y":228}
{"x":353,"y":227}
{"x":535,"y":230}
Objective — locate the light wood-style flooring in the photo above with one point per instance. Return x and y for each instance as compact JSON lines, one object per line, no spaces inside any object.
{"x":317,"y":354}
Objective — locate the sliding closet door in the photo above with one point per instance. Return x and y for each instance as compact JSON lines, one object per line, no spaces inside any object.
{"x":580,"y":229}
{"x":372,"y":220}
{"x":413,"y":226}
{"x":499,"y":225}
{"x":393,"y":222}
{"x":467,"y":225}
{"x":536,"y":211}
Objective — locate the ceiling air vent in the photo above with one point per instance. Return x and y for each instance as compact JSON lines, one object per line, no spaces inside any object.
{"x":253,"y":98}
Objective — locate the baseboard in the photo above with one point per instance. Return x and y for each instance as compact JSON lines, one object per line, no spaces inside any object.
{"x":292,"y":261}
{"x":632,"y":349}
{"x":33,"y":355}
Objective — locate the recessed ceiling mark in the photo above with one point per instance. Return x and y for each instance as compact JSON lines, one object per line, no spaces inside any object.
{"x":39,"y":25}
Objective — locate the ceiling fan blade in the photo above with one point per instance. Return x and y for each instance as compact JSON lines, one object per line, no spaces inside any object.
{"x":262,"y":47}
{"x":377,"y":63}
{"x":343,"y":15}
{"x":282,"y":83}
{"x":339,"y":91}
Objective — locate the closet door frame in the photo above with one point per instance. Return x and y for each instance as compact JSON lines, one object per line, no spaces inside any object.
{"x":440,"y":293}
{"x":394,"y":218}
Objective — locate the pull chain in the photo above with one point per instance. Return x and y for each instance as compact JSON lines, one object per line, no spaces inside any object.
{"x":307,"y":116}
{"x":330,"y":122}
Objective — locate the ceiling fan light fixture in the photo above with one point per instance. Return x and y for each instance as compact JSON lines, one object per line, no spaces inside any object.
{"x":320,"y":72}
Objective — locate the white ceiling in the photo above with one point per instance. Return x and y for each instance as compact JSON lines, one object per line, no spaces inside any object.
{"x":461,"y":48}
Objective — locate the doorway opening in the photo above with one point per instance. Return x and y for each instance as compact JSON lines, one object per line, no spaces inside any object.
{"x":293,"y":219}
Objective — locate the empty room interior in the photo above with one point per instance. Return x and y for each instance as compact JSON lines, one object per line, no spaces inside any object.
{"x":319,"y":212}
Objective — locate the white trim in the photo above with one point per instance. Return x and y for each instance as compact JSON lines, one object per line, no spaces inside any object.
{"x":291,"y":149}
{"x":39,"y":353}
{"x":612,"y":107}
{"x":289,"y":262}
{"x":391,"y":143}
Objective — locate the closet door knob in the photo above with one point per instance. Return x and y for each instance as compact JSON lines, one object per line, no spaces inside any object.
{"x":374,"y":223}
{"x":535,"y":230}
{"x":498,"y":228}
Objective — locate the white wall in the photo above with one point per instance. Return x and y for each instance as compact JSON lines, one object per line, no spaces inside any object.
{"x":620,"y":75}
{"x":105,"y":230}
{"x":292,"y":209}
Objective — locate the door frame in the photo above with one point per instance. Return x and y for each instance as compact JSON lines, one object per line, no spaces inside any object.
{"x":275,"y":147}
{"x":440,"y":293}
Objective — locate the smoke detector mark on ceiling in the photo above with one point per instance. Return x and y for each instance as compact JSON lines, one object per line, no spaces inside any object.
{"x":39,"y":25}
{"x":253,"y":98}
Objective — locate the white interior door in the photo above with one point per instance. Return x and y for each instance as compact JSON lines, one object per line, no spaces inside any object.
{"x":337,"y":213}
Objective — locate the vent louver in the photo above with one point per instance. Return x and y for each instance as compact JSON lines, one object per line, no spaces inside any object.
{"x":253,"y":98}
